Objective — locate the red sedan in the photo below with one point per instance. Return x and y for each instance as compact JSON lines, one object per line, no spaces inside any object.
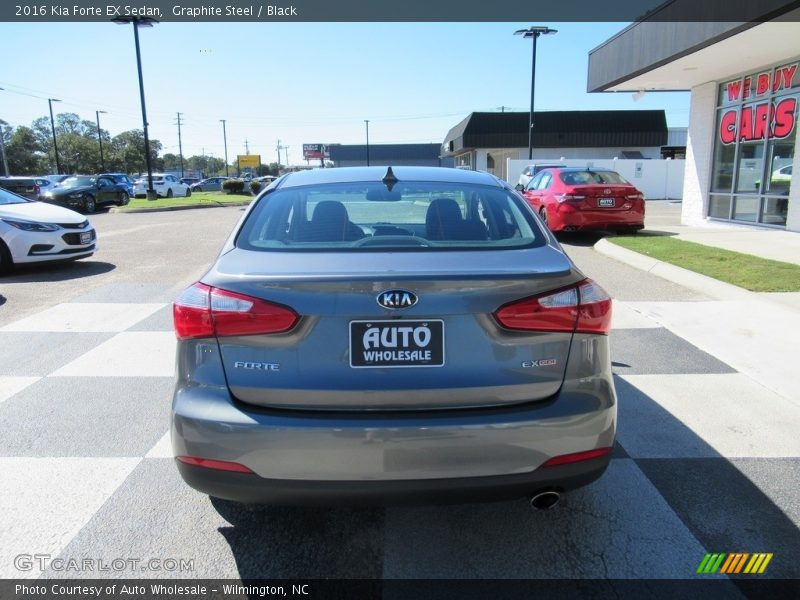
{"x":579,"y":199}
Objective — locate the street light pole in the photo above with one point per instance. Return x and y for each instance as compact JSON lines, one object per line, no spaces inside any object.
{"x":225,"y":139}
{"x":533,"y":33}
{"x":366,"y":122}
{"x":53,"y":128}
{"x":141,"y":22}
{"x":100,"y":139}
{"x":3,"y":150}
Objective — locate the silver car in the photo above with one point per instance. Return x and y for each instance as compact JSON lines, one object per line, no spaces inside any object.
{"x":382,"y":335}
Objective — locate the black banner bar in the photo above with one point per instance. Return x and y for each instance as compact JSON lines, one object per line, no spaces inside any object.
{"x":539,"y":11}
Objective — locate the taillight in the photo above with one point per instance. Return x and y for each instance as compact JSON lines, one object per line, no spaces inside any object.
{"x":569,"y":197}
{"x":635,"y":197}
{"x":204,"y":311}
{"x":36,"y":189}
{"x":582,"y":308}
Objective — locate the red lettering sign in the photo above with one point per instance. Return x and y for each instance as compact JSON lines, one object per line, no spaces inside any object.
{"x":727,"y":127}
{"x":759,"y":122}
{"x":784,"y":118}
{"x":763,"y":82}
{"x":734,"y":90}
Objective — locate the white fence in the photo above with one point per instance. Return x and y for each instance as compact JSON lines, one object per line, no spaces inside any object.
{"x":656,"y":179}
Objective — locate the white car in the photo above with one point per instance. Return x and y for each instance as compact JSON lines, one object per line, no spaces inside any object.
{"x":531,"y":171}
{"x":35,"y":232}
{"x":165,"y":186}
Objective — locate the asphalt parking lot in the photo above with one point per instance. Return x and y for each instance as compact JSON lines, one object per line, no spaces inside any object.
{"x":707,"y":457}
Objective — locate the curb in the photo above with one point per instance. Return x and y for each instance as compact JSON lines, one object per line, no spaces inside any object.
{"x":183,"y":207}
{"x":695,"y":281}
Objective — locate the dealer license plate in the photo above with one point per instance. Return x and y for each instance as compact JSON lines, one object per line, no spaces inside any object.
{"x":396,"y":344}
{"x":86,"y":237}
{"x":605,"y":202}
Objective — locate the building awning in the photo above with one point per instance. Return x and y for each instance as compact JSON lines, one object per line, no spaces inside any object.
{"x":559,"y":129}
{"x":652,"y":55}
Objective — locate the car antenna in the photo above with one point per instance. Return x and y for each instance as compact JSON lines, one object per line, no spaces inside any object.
{"x":389,"y":180}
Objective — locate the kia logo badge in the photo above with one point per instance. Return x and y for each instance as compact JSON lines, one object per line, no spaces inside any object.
{"x":607,"y":191}
{"x":397,"y":299}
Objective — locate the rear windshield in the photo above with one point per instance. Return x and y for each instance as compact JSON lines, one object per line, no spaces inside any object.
{"x":589,"y":177}
{"x":367,"y":216}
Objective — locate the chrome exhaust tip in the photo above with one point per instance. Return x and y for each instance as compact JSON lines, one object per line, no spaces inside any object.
{"x":545,"y":500}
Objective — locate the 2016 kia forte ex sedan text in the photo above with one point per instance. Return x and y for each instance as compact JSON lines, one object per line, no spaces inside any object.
{"x":392,"y":334}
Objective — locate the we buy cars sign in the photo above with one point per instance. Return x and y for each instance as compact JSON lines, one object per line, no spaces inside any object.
{"x":769,"y":119}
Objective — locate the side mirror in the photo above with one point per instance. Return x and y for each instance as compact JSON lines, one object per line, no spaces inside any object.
{"x":519,"y":187}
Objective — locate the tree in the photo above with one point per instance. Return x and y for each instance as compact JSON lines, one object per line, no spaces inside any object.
{"x":172,"y":162}
{"x":126,"y":153}
{"x":24,"y":153}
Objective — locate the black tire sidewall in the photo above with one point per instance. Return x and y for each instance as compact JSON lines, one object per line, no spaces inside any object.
{"x":89,"y":205}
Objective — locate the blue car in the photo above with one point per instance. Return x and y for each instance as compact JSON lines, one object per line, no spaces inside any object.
{"x":121,"y":178}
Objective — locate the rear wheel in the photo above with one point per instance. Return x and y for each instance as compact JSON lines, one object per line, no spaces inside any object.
{"x":543,"y":215}
{"x":123,"y":199}
{"x":169,"y":193}
{"x":5,"y":259}
{"x":188,"y":192}
{"x":198,"y":189}
{"x":88,"y":204}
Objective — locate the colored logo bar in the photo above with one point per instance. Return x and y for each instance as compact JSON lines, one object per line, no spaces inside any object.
{"x":734,"y":563}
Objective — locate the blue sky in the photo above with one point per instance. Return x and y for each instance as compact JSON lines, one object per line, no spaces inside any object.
{"x":301,"y":82}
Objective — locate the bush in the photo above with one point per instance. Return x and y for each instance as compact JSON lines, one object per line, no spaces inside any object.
{"x":233,"y":186}
{"x":255,"y":187}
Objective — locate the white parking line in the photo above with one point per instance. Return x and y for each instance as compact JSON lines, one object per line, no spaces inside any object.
{"x":44,"y":502}
{"x":11,"y":385}
{"x":85,"y":317}
{"x":127,"y":354}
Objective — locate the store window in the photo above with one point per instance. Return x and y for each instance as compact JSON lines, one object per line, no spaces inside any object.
{"x":755,"y":145}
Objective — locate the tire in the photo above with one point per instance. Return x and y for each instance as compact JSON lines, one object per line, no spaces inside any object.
{"x":543,"y":215}
{"x":89,"y":205}
{"x":123,"y":199}
{"x":198,"y":189}
{"x":6,"y":262}
{"x":169,"y":193}
{"x":188,"y":192}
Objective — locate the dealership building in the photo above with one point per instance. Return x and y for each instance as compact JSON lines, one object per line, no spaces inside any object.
{"x":486,"y":141}
{"x":744,"y":79}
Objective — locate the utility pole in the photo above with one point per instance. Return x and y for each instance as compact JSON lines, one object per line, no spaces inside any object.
{"x":502,"y":108}
{"x":225,"y":138}
{"x":287,"y":155}
{"x":246,"y":146}
{"x":366,"y":121}
{"x":3,"y":150}
{"x":100,"y":139}
{"x":53,"y":128}
{"x":180,"y":146}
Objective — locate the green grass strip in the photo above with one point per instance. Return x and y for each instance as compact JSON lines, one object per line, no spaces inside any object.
{"x":202,"y":198}
{"x":750,"y":272}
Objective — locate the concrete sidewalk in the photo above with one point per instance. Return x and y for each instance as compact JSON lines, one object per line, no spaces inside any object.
{"x":756,"y":333}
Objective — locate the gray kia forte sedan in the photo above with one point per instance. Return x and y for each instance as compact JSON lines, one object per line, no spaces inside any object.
{"x":389,"y":334}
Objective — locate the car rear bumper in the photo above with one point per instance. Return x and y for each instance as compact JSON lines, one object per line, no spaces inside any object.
{"x":566,"y":216}
{"x":250,"y":488}
{"x":300,"y":457}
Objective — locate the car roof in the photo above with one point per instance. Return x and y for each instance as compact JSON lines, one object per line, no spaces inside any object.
{"x":376,"y":174}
